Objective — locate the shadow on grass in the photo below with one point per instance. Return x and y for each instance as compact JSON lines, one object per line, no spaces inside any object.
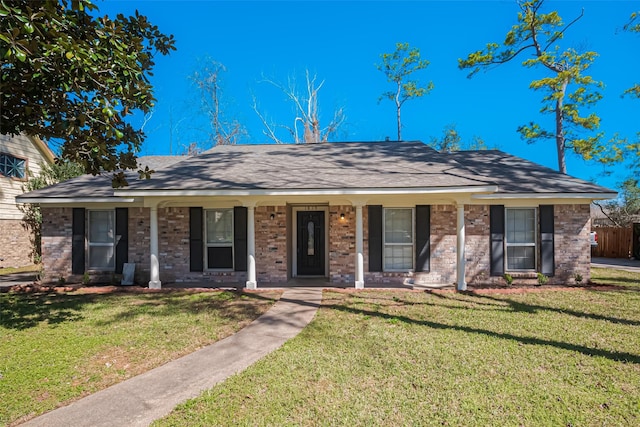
{"x":518,"y":306}
{"x":23,"y":311}
{"x":614,"y":281}
{"x":612,"y":355}
{"x":505,"y":303}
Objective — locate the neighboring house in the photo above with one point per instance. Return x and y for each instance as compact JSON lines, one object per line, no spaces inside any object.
{"x":359,"y":214}
{"x":20,"y":159}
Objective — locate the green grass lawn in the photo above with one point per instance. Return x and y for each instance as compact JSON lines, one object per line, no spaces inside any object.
{"x":55,"y":348}
{"x":392,"y":358}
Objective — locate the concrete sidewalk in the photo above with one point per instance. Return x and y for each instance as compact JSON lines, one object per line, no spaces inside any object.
{"x":152,"y":395}
{"x":624,"y":264}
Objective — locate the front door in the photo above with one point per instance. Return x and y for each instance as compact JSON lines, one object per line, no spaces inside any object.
{"x":310,"y":245}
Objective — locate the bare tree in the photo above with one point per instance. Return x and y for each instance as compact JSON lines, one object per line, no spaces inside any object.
{"x":224,"y":131}
{"x":306,"y":128}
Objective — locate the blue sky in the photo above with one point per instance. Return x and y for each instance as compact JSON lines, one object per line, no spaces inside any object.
{"x":342,"y":41}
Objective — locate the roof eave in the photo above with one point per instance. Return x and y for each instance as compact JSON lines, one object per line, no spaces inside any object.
{"x":68,"y":200}
{"x":592,"y":196}
{"x":307,"y":192}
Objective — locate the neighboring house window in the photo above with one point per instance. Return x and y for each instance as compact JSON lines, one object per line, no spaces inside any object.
{"x":398,"y":239}
{"x":219,"y":239}
{"x":521,"y":238}
{"x":102,"y":240}
{"x":12,"y":167}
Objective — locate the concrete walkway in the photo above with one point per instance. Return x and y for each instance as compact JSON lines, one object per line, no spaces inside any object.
{"x":624,"y":264}
{"x":152,"y":395}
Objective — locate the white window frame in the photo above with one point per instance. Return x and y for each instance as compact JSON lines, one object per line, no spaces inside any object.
{"x":385,"y":244}
{"x":508,"y":245}
{"x":91,"y":244}
{"x":208,"y":245}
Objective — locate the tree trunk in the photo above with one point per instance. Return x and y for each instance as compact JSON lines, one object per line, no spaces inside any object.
{"x":398,"y":107}
{"x":560,"y":141}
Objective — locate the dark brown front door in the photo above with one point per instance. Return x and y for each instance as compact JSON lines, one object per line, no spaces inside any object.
{"x":310,"y":245}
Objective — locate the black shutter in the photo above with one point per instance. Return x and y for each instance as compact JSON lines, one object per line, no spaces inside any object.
{"x":375,"y":238}
{"x":547,"y":262}
{"x":122,"y":236}
{"x":423,"y":237}
{"x":196,"y":256}
{"x":496,"y":229}
{"x":240,"y":238}
{"x":77,"y":242}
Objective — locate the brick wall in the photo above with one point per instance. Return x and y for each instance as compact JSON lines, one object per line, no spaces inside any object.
{"x":572,"y":251}
{"x":443,"y":247}
{"x":478,"y":245}
{"x":17,"y":245}
{"x":56,"y":243}
{"x":139,"y":243}
{"x":271,"y":244}
{"x":571,"y":243}
{"x":342,"y":244}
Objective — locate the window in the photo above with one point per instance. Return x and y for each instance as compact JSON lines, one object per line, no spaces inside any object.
{"x":12,"y":167}
{"x":102,"y":240}
{"x":219,"y":238}
{"x":521,"y":239}
{"x":398,"y":239}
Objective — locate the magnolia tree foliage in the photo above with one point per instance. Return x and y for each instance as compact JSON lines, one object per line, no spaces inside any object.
{"x":73,"y":78}
{"x":399,"y":67}
{"x":566,"y":88}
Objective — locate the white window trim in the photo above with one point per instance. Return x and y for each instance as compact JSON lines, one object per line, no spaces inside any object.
{"x":534,"y":244}
{"x":208,"y":245}
{"x":94,"y":245}
{"x":385,"y":244}
{"x":25,"y":168}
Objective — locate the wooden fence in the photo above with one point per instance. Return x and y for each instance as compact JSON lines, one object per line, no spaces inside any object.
{"x":613,"y":242}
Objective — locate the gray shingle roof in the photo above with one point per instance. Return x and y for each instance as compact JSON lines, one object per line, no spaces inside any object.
{"x":333,"y":166}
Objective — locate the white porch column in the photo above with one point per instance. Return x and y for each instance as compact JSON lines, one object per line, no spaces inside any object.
{"x":251,"y":249}
{"x":359,"y":249}
{"x":154,"y":283}
{"x":460,"y":250}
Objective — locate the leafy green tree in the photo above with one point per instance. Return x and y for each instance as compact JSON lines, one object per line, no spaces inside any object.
{"x":567,"y":90}
{"x":633,"y":26}
{"x":50,"y":174}
{"x":72,"y":78}
{"x":625,"y":210}
{"x":452,"y":141}
{"x":399,"y":67}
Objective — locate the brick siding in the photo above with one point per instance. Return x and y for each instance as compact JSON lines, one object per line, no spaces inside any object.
{"x":572,"y":251}
{"x":56,"y":243}
{"x":17,"y":244}
{"x":271,"y":244}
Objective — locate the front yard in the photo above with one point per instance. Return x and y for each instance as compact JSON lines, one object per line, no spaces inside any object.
{"x":569,"y":358}
{"x":55,"y":348}
{"x":368,"y":358}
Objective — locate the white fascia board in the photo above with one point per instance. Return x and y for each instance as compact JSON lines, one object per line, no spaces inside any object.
{"x":70,"y":200}
{"x":502,"y":196}
{"x":311,"y":192}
